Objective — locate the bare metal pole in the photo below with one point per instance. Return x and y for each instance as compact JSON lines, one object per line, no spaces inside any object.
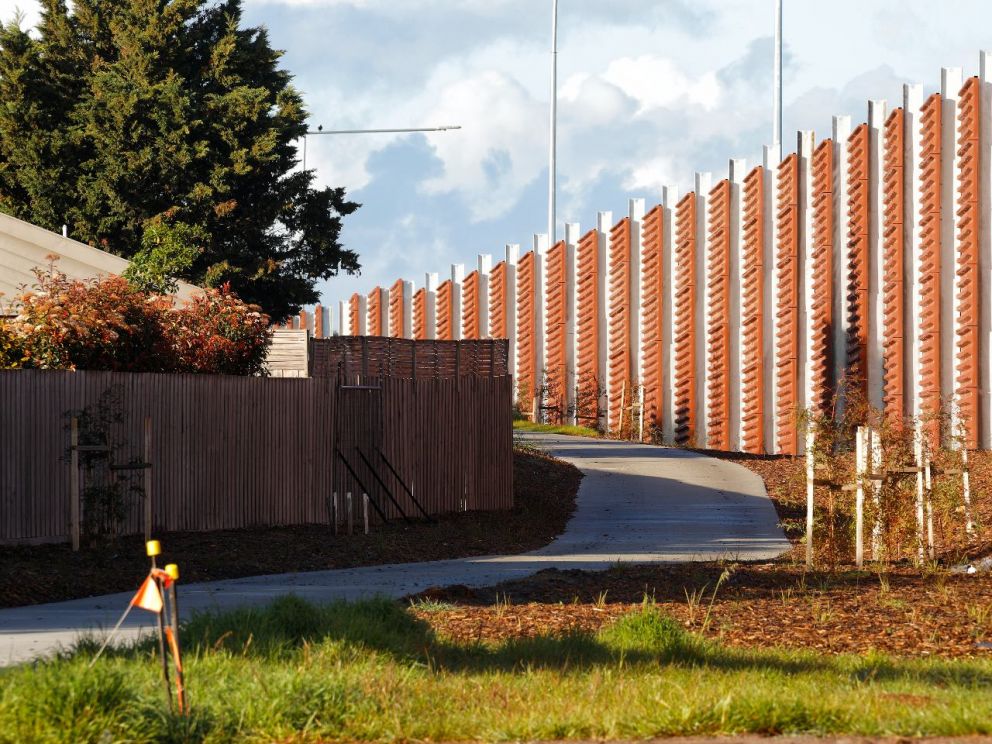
{"x":777,"y":82}
{"x":552,"y":164}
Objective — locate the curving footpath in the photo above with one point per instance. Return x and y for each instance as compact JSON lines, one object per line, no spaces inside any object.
{"x":637,"y":503}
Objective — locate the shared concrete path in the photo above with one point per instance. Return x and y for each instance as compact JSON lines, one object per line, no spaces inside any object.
{"x":637,"y":504}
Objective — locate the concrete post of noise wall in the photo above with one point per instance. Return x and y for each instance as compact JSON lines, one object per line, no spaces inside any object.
{"x":806,"y":144}
{"x":669,"y":198}
{"x":636,"y":209}
{"x":485,"y":265}
{"x":604,"y":224}
{"x":430,"y":305}
{"x":770,"y":291}
{"x":985,"y":249}
{"x":541,"y":248}
{"x":842,"y":206}
{"x":363,"y":315}
{"x":950,"y":242}
{"x":572,"y":236}
{"x":457,"y":279}
{"x":912,"y":239}
{"x":877,"y":114}
{"x":704,"y":184}
{"x":738,"y":172}
{"x":512,"y":258}
{"x":408,"y":290}
{"x":365,"y":512}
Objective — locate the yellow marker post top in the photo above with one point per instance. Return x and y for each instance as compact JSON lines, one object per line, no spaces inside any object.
{"x":153,"y":548}
{"x":173,"y":570}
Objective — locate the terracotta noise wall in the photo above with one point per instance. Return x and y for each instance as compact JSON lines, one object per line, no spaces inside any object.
{"x":854,"y":270}
{"x":526,"y":331}
{"x":652,"y":320}
{"x":752,"y":314}
{"x":375,"y":325}
{"x":620,"y":389}
{"x":471,"y":317}
{"x":498,"y":326}
{"x":556,"y":318}
{"x":787,"y":307}
{"x":929,"y":279}
{"x":967,"y":279}
{"x":445,"y":312}
{"x":685,"y":321}
{"x":587,"y":329}
{"x":894,"y":268}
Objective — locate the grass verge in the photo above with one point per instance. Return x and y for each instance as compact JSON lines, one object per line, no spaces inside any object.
{"x":370,"y":671}
{"x":575,"y":431}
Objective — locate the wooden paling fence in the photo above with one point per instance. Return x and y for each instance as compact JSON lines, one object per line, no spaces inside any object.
{"x":233,"y":452}
{"x":379,"y":356}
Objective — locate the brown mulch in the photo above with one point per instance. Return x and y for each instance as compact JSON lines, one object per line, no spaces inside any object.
{"x":759,"y":605}
{"x":544,"y":498}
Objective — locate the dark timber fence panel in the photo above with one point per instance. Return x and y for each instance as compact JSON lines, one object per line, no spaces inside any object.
{"x":231,"y":452}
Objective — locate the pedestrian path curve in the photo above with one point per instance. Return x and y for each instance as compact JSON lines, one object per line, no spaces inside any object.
{"x":636,"y":504}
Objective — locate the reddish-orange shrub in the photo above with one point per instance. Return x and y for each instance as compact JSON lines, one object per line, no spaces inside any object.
{"x":108,"y":324}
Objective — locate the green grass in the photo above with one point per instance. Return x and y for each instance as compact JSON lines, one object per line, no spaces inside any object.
{"x":575,"y":431}
{"x":370,"y":671}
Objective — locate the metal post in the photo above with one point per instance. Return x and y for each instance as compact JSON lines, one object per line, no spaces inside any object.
{"x":148,"y":478}
{"x":777,"y":82}
{"x":74,"y":484}
{"x":859,"y":498}
{"x":552,"y":164}
{"x":365,"y":511}
{"x":810,"y":489}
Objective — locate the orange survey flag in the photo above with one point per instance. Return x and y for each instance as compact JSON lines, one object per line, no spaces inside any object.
{"x":148,"y":596}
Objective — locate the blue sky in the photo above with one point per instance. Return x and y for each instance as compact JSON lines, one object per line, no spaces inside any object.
{"x":649,"y":92}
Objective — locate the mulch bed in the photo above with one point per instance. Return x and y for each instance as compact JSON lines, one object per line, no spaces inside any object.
{"x":544,"y":497}
{"x":757,"y":605}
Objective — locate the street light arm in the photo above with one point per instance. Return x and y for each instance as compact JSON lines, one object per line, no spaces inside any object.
{"x":384,"y":131}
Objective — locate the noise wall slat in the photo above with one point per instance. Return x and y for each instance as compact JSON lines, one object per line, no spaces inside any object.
{"x":752,"y":313}
{"x":420,"y":314}
{"x":619,"y":328}
{"x":929,"y":279}
{"x":471,"y":317}
{"x":893,"y":268}
{"x":821,"y":312}
{"x":555,"y":319}
{"x":685,"y":321}
{"x":396,"y":308}
{"x":787,"y":307}
{"x":497,"y":301}
{"x":652,"y":335}
{"x":967,"y":279}
{"x":444,"y":310}
{"x":526,"y":331}
{"x":354,"y":310}
{"x":375,"y":324}
{"x":587,"y":328}
{"x":857,"y":259}
{"x":718,"y":318}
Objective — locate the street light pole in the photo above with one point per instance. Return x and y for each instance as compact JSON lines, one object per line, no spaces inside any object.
{"x":777,"y":83}
{"x":552,"y":164}
{"x":321,"y":130}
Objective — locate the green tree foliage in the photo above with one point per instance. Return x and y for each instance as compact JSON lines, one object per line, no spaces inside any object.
{"x":168,"y":250}
{"x":125,"y":114}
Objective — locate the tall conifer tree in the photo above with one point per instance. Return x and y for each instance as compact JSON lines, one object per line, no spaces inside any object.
{"x":121,"y":114}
